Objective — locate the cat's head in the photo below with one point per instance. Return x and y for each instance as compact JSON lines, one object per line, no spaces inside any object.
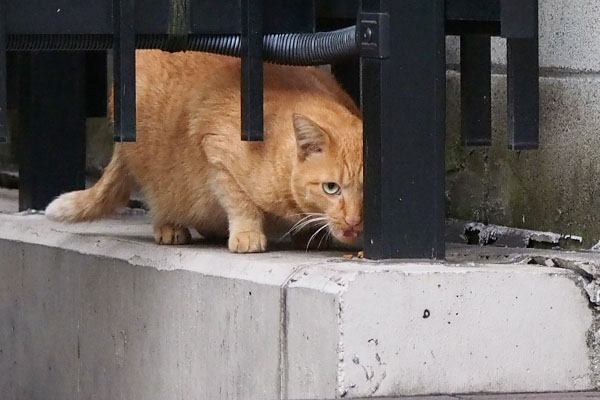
{"x":328,"y":173}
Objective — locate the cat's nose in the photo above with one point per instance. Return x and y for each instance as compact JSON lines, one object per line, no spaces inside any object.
{"x":353,"y":221}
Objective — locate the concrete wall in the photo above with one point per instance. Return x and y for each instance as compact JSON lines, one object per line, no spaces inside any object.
{"x":553,"y":188}
{"x":98,"y":311}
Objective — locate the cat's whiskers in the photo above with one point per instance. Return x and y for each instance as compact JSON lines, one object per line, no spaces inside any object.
{"x":326,"y":235}
{"x":308,"y":223}
{"x":304,"y":220}
{"x":303,"y":223}
{"x":306,"y":217}
{"x":315,"y":234}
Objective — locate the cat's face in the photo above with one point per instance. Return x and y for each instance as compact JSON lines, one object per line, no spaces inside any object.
{"x":328,"y":175}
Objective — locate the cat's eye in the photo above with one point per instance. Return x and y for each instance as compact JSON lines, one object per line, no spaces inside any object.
{"x":331,"y":188}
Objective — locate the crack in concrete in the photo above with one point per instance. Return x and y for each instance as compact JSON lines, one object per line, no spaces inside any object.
{"x":294,"y":276}
{"x":339,"y":286}
{"x":588,"y":273}
{"x":587,"y":277}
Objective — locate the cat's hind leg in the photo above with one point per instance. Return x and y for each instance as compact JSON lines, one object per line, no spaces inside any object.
{"x":171,"y":234}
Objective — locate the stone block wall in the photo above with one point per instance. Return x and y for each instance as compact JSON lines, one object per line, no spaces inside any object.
{"x":556,"y":187}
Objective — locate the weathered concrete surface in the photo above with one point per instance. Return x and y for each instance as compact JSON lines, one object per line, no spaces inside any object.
{"x":99,"y":311}
{"x":84,"y":315}
{"x":9,"y":201}
{"x":554,"y":188}
{"x":420,"y":329}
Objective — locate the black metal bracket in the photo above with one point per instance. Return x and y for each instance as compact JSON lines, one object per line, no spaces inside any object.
{"x":373,"y":34}
{"x":517,"y":21}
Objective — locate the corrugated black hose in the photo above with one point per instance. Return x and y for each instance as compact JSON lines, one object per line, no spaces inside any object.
{"x":283,"y":48}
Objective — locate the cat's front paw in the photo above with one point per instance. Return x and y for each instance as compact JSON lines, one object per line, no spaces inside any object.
{"x":168,"y":234}
{"x":247,"y":242}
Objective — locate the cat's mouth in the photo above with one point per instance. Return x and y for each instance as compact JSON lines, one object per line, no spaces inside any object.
{"x":350,"y":233}
{"x":348,"y":236}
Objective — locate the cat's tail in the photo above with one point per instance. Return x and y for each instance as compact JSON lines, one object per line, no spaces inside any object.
{"x":109,"y":193}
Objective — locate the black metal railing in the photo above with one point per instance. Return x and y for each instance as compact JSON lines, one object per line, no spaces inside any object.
{"x":57,"y":55}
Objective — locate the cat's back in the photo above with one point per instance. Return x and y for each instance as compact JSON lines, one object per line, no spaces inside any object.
{"x":161,"y":71}
{"x":170,"y":73}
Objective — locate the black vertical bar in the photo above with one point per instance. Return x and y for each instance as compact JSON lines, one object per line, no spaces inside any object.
{"x":522,"y":72}
{"x":403,"y":99}
{"x":475,"y":90}
{"x":52,"y":122}
{"x":3,"y":75}
{"x":252,"y":70}
{"x":523,"y":93}
{"x":13,"y":73}
{"x":96,"y":83}
{"x":124,"y":70}
{"x":519,"y":18}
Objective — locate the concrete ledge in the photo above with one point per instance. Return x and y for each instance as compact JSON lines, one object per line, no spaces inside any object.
{"x":97,"y":310}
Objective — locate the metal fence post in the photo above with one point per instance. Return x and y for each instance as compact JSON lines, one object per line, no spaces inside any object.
{"x":403,"y":100}
{"x":124,"y":70}
{"x":252,"y":70}
{"x":520,"y":27}
{"x":475,"y":90}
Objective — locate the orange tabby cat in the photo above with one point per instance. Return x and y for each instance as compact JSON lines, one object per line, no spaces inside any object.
{"x":195,"y":172}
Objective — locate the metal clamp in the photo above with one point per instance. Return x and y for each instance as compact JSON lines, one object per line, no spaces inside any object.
{"x":373,"y":35}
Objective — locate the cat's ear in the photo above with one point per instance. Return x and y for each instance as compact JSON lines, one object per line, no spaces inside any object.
{"x":310,"y":137}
